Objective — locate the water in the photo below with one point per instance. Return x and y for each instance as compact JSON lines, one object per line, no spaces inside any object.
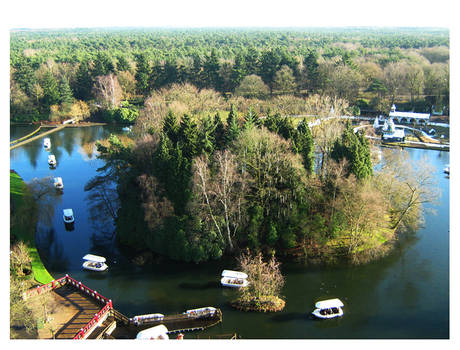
{"x":405,"y":295}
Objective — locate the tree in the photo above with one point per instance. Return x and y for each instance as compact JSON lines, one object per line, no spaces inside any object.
{"x":21,"y":317}
{"x":51,"y":94}
{"x":220,"y":196}
{"x":83,"y":82}
{"x":269,"y":65}
{"x":20,"y":258}
{"x":123,"y":64}
{"x":310,"y":63}
{"x":102,"y":65}
{"x":108,"y":91}
{"x":65,"y":92}
{"x":252,"y":86}
{"x":284,"y":81}
{"x":304,"y":142}
{"x":142,"y":74}
{"x":265,"y":284}
{"x":415,"y":81}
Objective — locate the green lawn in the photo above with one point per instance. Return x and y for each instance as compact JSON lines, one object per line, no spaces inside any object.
{"x":23,"y":230}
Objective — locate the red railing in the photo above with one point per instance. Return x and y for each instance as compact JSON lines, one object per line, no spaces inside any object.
{"x":80,"y":286}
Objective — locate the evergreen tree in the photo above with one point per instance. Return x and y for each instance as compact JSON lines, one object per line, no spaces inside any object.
{"x":50,"y":90}
{"x":123,"y":64}
{"x":251,"y":120}
{"x":102,"y":65}
{"x":196,"y":74}
{"x":305,"y":146}
{"x":83,"y":82}
{"x":211,"y":71}
{"x":206,"y":140}
{"x":269,"y":65}
{"x":142,"y":74}
{"x":24,"y":75}
{"x":272,"y":121}
{"x":66,"y":97}
{"x":238,"y":71}
{"x":170,"y":127}
{"x":311,"y":65}
{"x":355,"y":149}
{"x":170,"y":73}
{"x":251,"y":60}
{"x":233,"y":129}
{"x":188,"y":137}
{"x":219,"y":132}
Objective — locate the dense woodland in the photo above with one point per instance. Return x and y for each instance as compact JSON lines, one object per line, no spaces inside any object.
{"x":69,"y":73}
{"x":215,"y":162}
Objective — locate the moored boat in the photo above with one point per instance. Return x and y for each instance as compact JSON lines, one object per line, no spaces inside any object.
{"x":52,"y":160}
{"x":447,"y":169}
{"x":159,"y":332}
{"x":47,"y":143}
{"x":94,"y":263}
{"x":58,"y":184}
{"x":330,"y":308}
{"x":68,"y":216}
{"x":201,"y":312}
{"x":234,"y":279}
{"x":141,"y":319}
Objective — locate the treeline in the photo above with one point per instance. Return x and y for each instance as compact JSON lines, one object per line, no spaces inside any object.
{"x":51,"y":71}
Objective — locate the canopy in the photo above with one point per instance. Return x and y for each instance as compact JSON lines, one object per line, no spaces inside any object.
{"x":327,"y":304}
{"x":68,"y":212}
{"x":157,"y":332}
{"x":51,"y":157}
{"x":234,"y":274}
{"x":94,"y":258}
{"x":58,"y":180}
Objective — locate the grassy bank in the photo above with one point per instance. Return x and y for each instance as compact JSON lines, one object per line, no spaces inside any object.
{"x":23,"y":223}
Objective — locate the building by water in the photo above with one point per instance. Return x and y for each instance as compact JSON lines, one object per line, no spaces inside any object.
{"x":408,"y":117}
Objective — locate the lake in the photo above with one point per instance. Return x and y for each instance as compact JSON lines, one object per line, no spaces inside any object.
{"x":404,"y":295}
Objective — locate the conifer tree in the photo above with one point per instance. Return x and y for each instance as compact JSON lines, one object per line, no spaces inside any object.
{"x":188,"y":137}
{"x":142,"y":74}
{"x":305,"y":145}
{"x":83,"y":82}
{"x":251,"y":120}
{"x":170,"y":126}
{"x":219,"y":132}
{"x":123,"y":64}
{"x":50,"y":90}
{"x":65,"y":92}
{"x":206,"y":140}
{"x":233,"y":128}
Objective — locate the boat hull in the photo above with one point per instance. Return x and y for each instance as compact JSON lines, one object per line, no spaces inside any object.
{"x":89,"y":265}
{"x":229,"y":282}
{"x":318,"y":314}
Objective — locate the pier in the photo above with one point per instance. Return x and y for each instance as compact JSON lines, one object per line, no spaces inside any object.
{"x":96,"y":318}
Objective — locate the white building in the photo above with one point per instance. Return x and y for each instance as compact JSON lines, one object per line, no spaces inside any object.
{"x":409,"y":117}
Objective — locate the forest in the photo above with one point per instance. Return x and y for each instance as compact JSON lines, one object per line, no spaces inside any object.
{"x":221,"y":156}
{"x":68,"y":73}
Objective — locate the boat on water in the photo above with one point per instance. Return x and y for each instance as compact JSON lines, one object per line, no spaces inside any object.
{"x":47,"y":142}
{"x":330,"y":308}
{"x":94,"y":263}
{"x":200,"y":312}
{"x":68,"y":216}
{"x":234,"y":279}
{"x":159,"y":332}
{"x":141,"y":319}
{"x":52,"y":160}
{"x":447,"y":169}
{"x":58,"y":184}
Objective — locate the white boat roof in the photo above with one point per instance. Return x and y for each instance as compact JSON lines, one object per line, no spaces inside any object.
{"x":234,"y":274}
{"x":46,"y":139}
{"x":153,"y":332}
{"x":68,"y":212}
{"x":95,"y":258}
{"x":51,"y":156}
{"x":58,"y":179}
{"x":327,"y":304}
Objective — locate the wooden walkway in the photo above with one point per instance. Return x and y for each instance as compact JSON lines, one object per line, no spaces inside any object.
{"x":86,"y":307}
{"x":22,"y":143}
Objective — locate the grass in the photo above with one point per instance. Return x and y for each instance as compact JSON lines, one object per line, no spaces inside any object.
{"x":24,"y":230}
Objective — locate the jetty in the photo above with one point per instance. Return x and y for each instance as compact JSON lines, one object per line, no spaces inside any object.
{"x":29,"y":138}
{"x":96,"y":318}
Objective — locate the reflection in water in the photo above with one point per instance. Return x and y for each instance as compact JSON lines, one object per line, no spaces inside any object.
{"x":32,"y":153}
{"x":49,"y":246}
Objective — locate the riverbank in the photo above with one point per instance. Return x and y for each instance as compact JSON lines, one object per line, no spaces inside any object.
{"x":23,"y":224}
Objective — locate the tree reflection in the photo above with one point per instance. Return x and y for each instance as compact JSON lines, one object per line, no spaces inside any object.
{"x":51,"y":250}
{"x":45,"y":197}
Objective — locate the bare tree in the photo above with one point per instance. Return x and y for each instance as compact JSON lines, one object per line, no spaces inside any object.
{"x":108,"y":91}
{"x":20,"y":258}
{"x":220,"y":196}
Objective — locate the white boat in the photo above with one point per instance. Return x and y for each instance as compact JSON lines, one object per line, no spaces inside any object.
{"x":68,"y":216}
{"x":140,"y":319}
{"x":47,"y":142}
{"x":447,"y":169}
{"x":58,"y":184}
{"x":94,"y":263}
{"x":234,"y":279}
{"x":203,"y":311}
{"x":328,"y":308}
{"x":159,"y":332}
{"x":52,"y":160}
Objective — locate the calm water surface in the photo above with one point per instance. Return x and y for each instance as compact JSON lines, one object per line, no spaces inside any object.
{"x":405,"y":295}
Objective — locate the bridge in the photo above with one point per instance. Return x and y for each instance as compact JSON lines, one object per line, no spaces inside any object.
{"x":96,"y":318}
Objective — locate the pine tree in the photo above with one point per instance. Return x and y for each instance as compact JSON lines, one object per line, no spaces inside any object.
{"x":219,"y":132}
{"x":170,"y":126}
{"x":102,"y":65}
{"x":65,"y":92}
{"x":251,"y":120}
{"x":206,"y":140}
{"x":305,"y":146}
{"x":233,"y":129}
{"x":238,"y":71}
{"x":188,"y":137}
{"x":123,"y":64}
{"x":50,"y":90}
{"x":142,"y":74}
{"x":83,"y":82}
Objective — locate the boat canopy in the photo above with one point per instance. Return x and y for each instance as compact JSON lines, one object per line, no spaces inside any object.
{"x":157,"y":332}
{"x":330,"y":303}
{"x":95,"y":258}
{"x":58,"y":180}
{"x":234,"y":274}
{"x":51,"y":156}
{"x":68,"y":212}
